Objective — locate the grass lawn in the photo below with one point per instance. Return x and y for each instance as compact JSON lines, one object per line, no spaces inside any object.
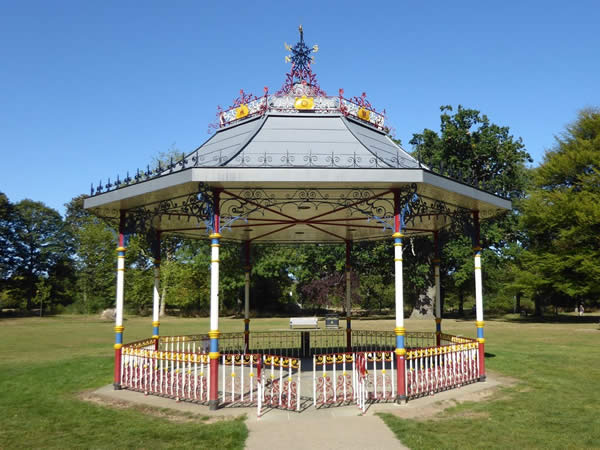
{"x":555,"y":404}
{"x":45,"y":364}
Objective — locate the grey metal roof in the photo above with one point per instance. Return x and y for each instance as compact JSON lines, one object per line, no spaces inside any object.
{"x":300,"y":140}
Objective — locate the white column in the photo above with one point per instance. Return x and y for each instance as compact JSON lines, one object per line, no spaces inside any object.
{"x":156,"y":299}
{"x":438,"y":294}
{"x":120,"y":285}
{"x":214,"y":281}
{"x":399,"y":281}
{"x":478,"y":285}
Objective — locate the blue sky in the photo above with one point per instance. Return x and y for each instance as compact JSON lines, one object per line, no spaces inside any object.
{"x":89,"y":89}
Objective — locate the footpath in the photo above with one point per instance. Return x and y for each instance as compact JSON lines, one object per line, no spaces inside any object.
{"x":323,"y":428}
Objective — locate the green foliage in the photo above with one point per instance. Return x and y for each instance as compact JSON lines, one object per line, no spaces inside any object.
{"x":562,"y":217}
{"x":487,"y":155}
{"x":94,"y":258}
{"x":36,"y":242}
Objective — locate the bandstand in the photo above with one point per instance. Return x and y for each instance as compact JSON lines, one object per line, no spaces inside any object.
{"x":296,"y":166}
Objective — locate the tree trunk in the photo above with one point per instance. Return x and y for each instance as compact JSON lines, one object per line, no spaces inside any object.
{"x":538,"y":307}
{"x":424,"y":305}
{"x":461,"y":302}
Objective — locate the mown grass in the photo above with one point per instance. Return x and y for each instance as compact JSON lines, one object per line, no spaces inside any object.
{"x":555,"y":403}
{"x":45,"y":365}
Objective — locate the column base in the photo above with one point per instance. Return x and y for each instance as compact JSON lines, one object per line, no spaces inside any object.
{"x":401,"y":398}
{"x":482,"y":378}
{"x":213,"y":405}
{"x":117,"y":386}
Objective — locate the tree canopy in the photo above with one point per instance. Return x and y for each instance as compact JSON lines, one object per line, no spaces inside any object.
{"x":562,"y":218}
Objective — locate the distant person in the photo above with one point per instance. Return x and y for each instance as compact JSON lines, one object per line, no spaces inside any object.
{"x":581,"y":310}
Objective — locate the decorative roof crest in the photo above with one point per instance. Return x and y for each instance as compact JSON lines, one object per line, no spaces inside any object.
{"x":301,"y":72}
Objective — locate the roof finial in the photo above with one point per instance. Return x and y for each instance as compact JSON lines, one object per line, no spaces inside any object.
{"x":301,"y":57}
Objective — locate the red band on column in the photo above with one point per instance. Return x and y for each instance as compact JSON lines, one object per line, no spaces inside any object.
{"x":481,"y":360}
{"x":213,"y":393}
{"x":117,"y":366}
{"x":401,"y":379}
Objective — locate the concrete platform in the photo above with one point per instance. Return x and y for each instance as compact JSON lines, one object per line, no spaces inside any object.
{"x":328,"y":428}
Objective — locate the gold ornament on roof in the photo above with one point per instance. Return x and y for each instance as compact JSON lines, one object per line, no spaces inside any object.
{"x":304,"y":102}
{"x":241,"y":111}
{"x":364,"y":114}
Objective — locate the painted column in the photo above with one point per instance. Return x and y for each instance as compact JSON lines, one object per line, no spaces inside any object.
{"x":213,"y":334}
{"x":348,"y":297}
{"x":399,"y":288}
{"x":478,"y":295}
{"x":247,"y":269}
{"x":119,"y":328}
{"x":438,"y":294}
{"x":156,"y":293}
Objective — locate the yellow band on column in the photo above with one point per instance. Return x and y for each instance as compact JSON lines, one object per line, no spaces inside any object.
{"x":479,"y":323}
{"x":215,"y":236}
{"x":481,"y":340}
{"x":400,"y":351}
{"x":155,"y":324}
{"x":397,"y":235}
{"x":119,"y":328}
{"x":438,"y":320}
{"x":246,"y":320}
{"x":214,"y":355}
{"x":117,"y":346}
{"x":121,"y":249}
{"x":214,"y":334}
{"x":400,"y":331}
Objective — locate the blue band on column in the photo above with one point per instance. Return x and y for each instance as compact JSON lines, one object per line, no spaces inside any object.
{"x":246,"y":326}
{"x":398,"y":240}
{"x":438,"y":327}
{"x":121,"y":253}
{"x":155,"y":331}
{"x":400,"y":341}
{"x":480,"y":332}
{"x":214,"y":345}
{"x":215,"y":241}
{"x":119,"y":338}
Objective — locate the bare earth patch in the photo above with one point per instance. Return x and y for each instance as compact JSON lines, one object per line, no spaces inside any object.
{"x":434,"y":407}
{"x":168,"y":414}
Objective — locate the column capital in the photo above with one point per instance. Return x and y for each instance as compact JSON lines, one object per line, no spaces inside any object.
{"x":397,"y":235}
{"x":121,"y":249}
{"x":215,"y":236}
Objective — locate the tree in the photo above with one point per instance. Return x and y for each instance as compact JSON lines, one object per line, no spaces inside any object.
{"x":94,"y":244}
{"x":562,"y":217}
{"x":7,"y":238}
{"x":471,"y":148}
{"x":40,"y":242}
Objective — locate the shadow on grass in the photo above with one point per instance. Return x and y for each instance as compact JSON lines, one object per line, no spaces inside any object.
{"x":560,"y":318}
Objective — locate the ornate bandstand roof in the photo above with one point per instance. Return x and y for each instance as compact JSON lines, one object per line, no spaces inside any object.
{"x":296,"y":165}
